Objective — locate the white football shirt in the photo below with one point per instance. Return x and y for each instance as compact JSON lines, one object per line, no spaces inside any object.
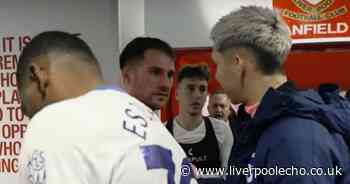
{"x":102,"y":137}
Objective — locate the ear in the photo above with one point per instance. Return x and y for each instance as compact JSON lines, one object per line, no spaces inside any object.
{"x":237,"y":59}
{"x":39,"y":74}
{"x":126,"y":75}
{"x":243,"y":72}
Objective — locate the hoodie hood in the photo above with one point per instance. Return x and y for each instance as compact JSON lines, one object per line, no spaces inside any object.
{"x":327,"y":108}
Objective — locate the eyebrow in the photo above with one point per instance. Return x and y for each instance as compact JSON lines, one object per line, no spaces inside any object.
{"x":154,"y":67}
{"x":158,"y":68}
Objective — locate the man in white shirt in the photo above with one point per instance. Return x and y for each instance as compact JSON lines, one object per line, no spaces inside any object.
{"x":82,"y":131}
{"x":148,"y":67}
{"x":206,"y":141}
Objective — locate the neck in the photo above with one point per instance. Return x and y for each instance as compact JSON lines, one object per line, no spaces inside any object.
{"x":83,"y":88}
{"x":259,"y":86}
{"x":188,"y":121}
{"x":93,"y":84}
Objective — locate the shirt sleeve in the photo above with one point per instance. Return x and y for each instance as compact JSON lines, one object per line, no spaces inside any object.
{"x":225,"y":140}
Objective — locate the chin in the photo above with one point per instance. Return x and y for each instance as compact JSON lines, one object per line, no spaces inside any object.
{"x":219,"y":118}
{"x":195,"y":113}
{"x":154,"y":106}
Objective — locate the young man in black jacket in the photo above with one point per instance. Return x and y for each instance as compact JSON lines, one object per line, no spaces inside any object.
{"x":292,"y":133}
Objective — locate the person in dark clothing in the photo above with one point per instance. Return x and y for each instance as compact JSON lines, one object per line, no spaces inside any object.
{"x":290,"y":130}
{"x":347,"y":95}
{"x":206,"y":141}
{"x":238,"y":125}
{"x":329,"y":87}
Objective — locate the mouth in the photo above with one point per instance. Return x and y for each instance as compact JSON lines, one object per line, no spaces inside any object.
{"x":218,"y":116}
{"x":196,"y":105}
{"x":161,"y":94}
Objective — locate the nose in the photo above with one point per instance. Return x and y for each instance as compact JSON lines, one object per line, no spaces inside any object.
{"x":165,"y":81}
{"x":218,"y":108}
{"x":197,"y":93}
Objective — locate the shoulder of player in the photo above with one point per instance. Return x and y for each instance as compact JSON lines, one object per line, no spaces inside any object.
{"x":72,"y":106}
{"x":220,"y":127}
{"x":50,"y":112}
{"x":218,"y":124}
{"x":55,"y":121}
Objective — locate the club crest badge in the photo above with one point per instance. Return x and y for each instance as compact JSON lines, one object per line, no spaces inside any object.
{"x":36,"y":168}
{"x":314,"y":2}
{"x":314,"y":10}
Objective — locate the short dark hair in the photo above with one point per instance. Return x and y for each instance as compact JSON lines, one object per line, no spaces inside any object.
{"x":328,"y":87}
{"x":138,"y":46}
{"x":347,"y":95}
{"x":53,"y":41}
{"x":197,"y":71}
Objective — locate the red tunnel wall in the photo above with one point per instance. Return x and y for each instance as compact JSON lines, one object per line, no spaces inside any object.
{"x":307,"y":65}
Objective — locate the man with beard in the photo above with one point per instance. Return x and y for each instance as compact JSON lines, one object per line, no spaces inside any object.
{"x":219,"y":106}
{"x":148,"y":67}
{"x":206,"y":141}
{"x":83,"y":131}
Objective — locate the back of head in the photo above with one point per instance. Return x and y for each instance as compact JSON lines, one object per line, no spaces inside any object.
{"x":347,"y":94}
{"x":329,"y":92}
{"x":259,"y":29}
{"x":55,"y":42}
{"x":194,"y":71}
{"x":328,"y":87}
{"x":53,"y":67}
{"x":136,"y":49}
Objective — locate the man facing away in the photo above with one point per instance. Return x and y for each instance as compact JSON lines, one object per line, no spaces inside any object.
{"x":85,"y":132}
{"x":289,"y":128}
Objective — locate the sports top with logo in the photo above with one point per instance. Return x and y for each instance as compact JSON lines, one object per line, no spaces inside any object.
{"x":203,"y":154}
{"x":104,"y":136}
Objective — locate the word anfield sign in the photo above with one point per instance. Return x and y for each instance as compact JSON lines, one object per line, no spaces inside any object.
{"x":316,"y":20}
